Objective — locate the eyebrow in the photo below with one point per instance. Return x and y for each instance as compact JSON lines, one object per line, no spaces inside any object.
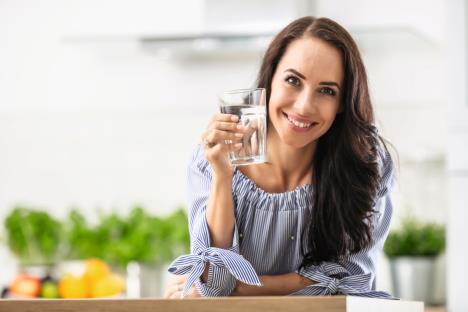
{"x":323,"y":83}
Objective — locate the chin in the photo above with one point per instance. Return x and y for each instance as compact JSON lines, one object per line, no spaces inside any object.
{"x":294,"y":143}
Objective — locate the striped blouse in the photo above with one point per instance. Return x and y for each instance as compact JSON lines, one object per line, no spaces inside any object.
{"x":267,"y":238}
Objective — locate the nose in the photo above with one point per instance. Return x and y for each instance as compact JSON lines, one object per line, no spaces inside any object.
{"x":304,"y":104}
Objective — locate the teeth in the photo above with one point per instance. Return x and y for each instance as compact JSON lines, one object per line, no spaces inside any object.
{"x":299,"y":124}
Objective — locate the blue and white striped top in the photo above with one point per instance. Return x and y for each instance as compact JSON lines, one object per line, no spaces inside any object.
{"x":267,"y":238}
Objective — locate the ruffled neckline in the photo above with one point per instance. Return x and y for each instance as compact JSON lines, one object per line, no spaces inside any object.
{"x":252,"y":185}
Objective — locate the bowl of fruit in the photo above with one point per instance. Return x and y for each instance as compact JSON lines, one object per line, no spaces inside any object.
{"x":92,"y":278}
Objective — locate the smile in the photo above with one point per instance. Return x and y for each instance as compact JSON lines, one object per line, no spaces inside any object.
{"x":299,"y":125}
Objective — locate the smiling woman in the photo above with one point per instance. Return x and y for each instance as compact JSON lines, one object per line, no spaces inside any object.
{"x":313,"y":219}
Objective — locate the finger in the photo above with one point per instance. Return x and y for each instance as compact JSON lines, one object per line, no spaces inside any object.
{"x":223,"y":149}
{"x":220,"y":149}
{"x":225,"y":117}
{"x":253,"y":125}
{"x":168,"y":288}
{"x":175,"y":284}
{"x":176,"y":295}
{"x":249,"y":139}
{"x":246,"y":144}
{"x":173,"y":288}
{"x":193,"y":293}
{"x":219,"y":136}
{"x":242,"y":128}
{"x":181,"y":284}
{"x":231,"y":147}
{"x":180,"y":278}
{"x":225,"y":125}
{"x":254,"y":145}
{"x":235,"y":146}
{"x":174,"y":280}
{"x":250,"y":128}
{"x":168,"y":293}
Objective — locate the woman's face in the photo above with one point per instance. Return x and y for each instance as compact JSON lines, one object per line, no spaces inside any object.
{"x":305,"y":91}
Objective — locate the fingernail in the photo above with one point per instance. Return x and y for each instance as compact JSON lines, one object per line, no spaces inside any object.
{"x":239,"y":135}
{"x":240,"y":127}
{"x":234,"y":118}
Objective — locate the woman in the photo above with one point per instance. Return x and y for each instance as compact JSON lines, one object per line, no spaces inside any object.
{"x":313,"y":219}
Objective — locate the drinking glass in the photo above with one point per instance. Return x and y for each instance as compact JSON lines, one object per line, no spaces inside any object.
{"x":250,"y":106}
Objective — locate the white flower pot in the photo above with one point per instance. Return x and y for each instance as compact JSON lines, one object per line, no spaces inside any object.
{"x":413,"y":278}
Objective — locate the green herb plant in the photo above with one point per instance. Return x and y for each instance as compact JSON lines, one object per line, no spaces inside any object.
{"x":33,"y":236}
{"x":415,"y":239}
{"x":37,"y":238}
{"x":137,"y":237}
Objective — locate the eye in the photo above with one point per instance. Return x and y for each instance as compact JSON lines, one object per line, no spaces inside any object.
{"x":293,"y":80}
{"x":328,"y":91}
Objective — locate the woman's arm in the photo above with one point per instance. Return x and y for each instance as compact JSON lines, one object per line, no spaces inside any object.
{"x":220,"y":212}
{"x":220,"y":207}
{"x":274,"y":285}
{"x":220,"y":215}
{"x":214,"y":270}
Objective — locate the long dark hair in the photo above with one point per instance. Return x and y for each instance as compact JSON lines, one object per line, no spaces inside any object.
{"x":345,"y":168}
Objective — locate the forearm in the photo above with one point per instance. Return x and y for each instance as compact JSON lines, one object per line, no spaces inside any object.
{"x":220,"y":215}
{"x":274,"y":285}
{"x":220,"y":212}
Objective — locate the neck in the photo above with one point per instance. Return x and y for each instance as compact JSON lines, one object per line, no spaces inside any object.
{"x":291,"y":166}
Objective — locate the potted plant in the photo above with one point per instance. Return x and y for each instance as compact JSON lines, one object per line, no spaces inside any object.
{"x":33,"y":236}
{"x":413,"y":250}
{"x":160,"y":240}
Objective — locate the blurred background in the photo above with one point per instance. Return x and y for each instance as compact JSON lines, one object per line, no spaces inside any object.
{"x":101,"y":103}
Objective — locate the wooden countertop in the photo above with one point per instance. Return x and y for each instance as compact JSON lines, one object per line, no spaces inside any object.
{"x":435,"y":309}
{"x":225,"y":304}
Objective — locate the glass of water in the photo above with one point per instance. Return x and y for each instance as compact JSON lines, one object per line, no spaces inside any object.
{"x":250,"y":106}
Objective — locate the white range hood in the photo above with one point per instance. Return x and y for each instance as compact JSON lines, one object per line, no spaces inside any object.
{"x":245,"y":27}
{"x":235,"y":28}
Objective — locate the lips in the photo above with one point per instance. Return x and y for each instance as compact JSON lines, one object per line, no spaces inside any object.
{"x":299,"y":123}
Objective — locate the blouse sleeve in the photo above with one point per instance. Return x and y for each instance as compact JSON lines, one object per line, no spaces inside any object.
{"x":225,"y":266}
{"x":356,"y":274}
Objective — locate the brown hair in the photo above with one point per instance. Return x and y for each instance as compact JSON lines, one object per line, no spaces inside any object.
{"x":346,"y":175}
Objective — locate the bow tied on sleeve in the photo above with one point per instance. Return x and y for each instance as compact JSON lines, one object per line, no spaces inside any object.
{"x":194,"y":264}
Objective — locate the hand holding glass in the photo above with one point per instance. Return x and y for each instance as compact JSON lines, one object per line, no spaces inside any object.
{"x":250,"y":106}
